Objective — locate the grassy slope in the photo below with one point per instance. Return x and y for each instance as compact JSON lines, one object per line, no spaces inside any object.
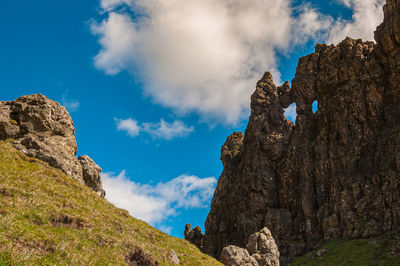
{"x":48,"y":218}
{"x":383,"y":250}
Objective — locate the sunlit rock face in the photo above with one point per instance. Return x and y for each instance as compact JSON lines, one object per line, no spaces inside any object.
{"x":43,"y":129}
{"x":333,"y":174}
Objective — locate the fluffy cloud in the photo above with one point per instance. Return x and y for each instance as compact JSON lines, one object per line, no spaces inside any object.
{"x":205,"y":56}
{"x":129,"y":125}
{"x":154,"y":204}
{"x":367,"y":14}
{"x":161,"y":130}
{"x":201,"y":55}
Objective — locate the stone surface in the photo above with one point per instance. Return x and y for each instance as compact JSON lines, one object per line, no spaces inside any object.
{"x":235,"y":256}
{"x":321,"y":252}
{"x":43,"y":129}
{"x":173,"y":258}
{"x":333,"y":174}
{"x":261,"y":249}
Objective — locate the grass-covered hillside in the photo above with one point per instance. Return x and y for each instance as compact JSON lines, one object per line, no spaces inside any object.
{"x":46,"y":218}
{"x":382,"y":250}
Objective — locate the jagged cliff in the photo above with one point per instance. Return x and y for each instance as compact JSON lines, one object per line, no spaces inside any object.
{"x":43,"y":129}
{"x":333,"y":174}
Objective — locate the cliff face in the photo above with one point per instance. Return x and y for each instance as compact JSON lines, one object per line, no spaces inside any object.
{"x":333,"y":174}
{"x":43,"y":129}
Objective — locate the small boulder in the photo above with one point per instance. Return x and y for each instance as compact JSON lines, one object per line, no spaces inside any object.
{"x":321,"y":252}
{"x":235,"y":256}
{"x":261,"y":249}
{"x":91,"y":174}
{"x":173,"y":258}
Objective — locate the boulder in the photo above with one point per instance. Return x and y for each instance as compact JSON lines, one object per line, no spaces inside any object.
{"x":91,"y":174}
{"x":43,"y":129}
{"x":235,"y":256}
{"x":261,"y":249}
{"x":173,"y":258}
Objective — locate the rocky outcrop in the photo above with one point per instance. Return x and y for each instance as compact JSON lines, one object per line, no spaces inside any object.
{"x":43,"y":129}
{"x":261,"y":249}
{"x":194,"y":236}
{"x":332,"y":174}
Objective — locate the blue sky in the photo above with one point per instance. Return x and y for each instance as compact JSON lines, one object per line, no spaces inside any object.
{"x":141,"y":92}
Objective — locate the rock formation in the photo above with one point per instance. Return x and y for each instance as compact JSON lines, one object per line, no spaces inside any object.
{"x":43,"y":129}
{"x":194,"y":236}
{"x":333,"y":174}
{"x":261,"y":249}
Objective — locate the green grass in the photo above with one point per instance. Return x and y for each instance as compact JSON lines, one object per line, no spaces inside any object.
{"x":46,"y":218}
{"x":383,"y":250}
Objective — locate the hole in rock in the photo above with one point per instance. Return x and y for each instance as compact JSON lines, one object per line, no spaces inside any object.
{"x":290,"y":112}
{"x":315,"y":106}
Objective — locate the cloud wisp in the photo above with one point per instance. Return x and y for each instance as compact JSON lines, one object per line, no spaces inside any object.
{"x":70,"y":105}
{"x":161,"y":130}
{"x":205,"y":56}
{"x":155,"y":204}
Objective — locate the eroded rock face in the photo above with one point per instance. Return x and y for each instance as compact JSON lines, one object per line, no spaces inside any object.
{"x":43,"y":129}
{"x":333,"y":174}
{"x":261,"y":249}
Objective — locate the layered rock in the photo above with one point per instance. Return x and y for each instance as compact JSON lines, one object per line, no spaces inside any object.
{"x":261,"y":249}
{"x":43,"y":129}
{"x":333,"y":174}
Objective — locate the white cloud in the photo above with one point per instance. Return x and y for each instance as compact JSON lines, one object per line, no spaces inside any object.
{"x":129,"y":125}
{"x":201,"y":55}
{"x":367,"y":14}
{"x":155,"y":204}
{"x":161,"y":130}
{"x":205,"y":56}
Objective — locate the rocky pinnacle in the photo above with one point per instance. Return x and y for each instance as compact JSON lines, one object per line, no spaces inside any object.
{"x":332,"y":174}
